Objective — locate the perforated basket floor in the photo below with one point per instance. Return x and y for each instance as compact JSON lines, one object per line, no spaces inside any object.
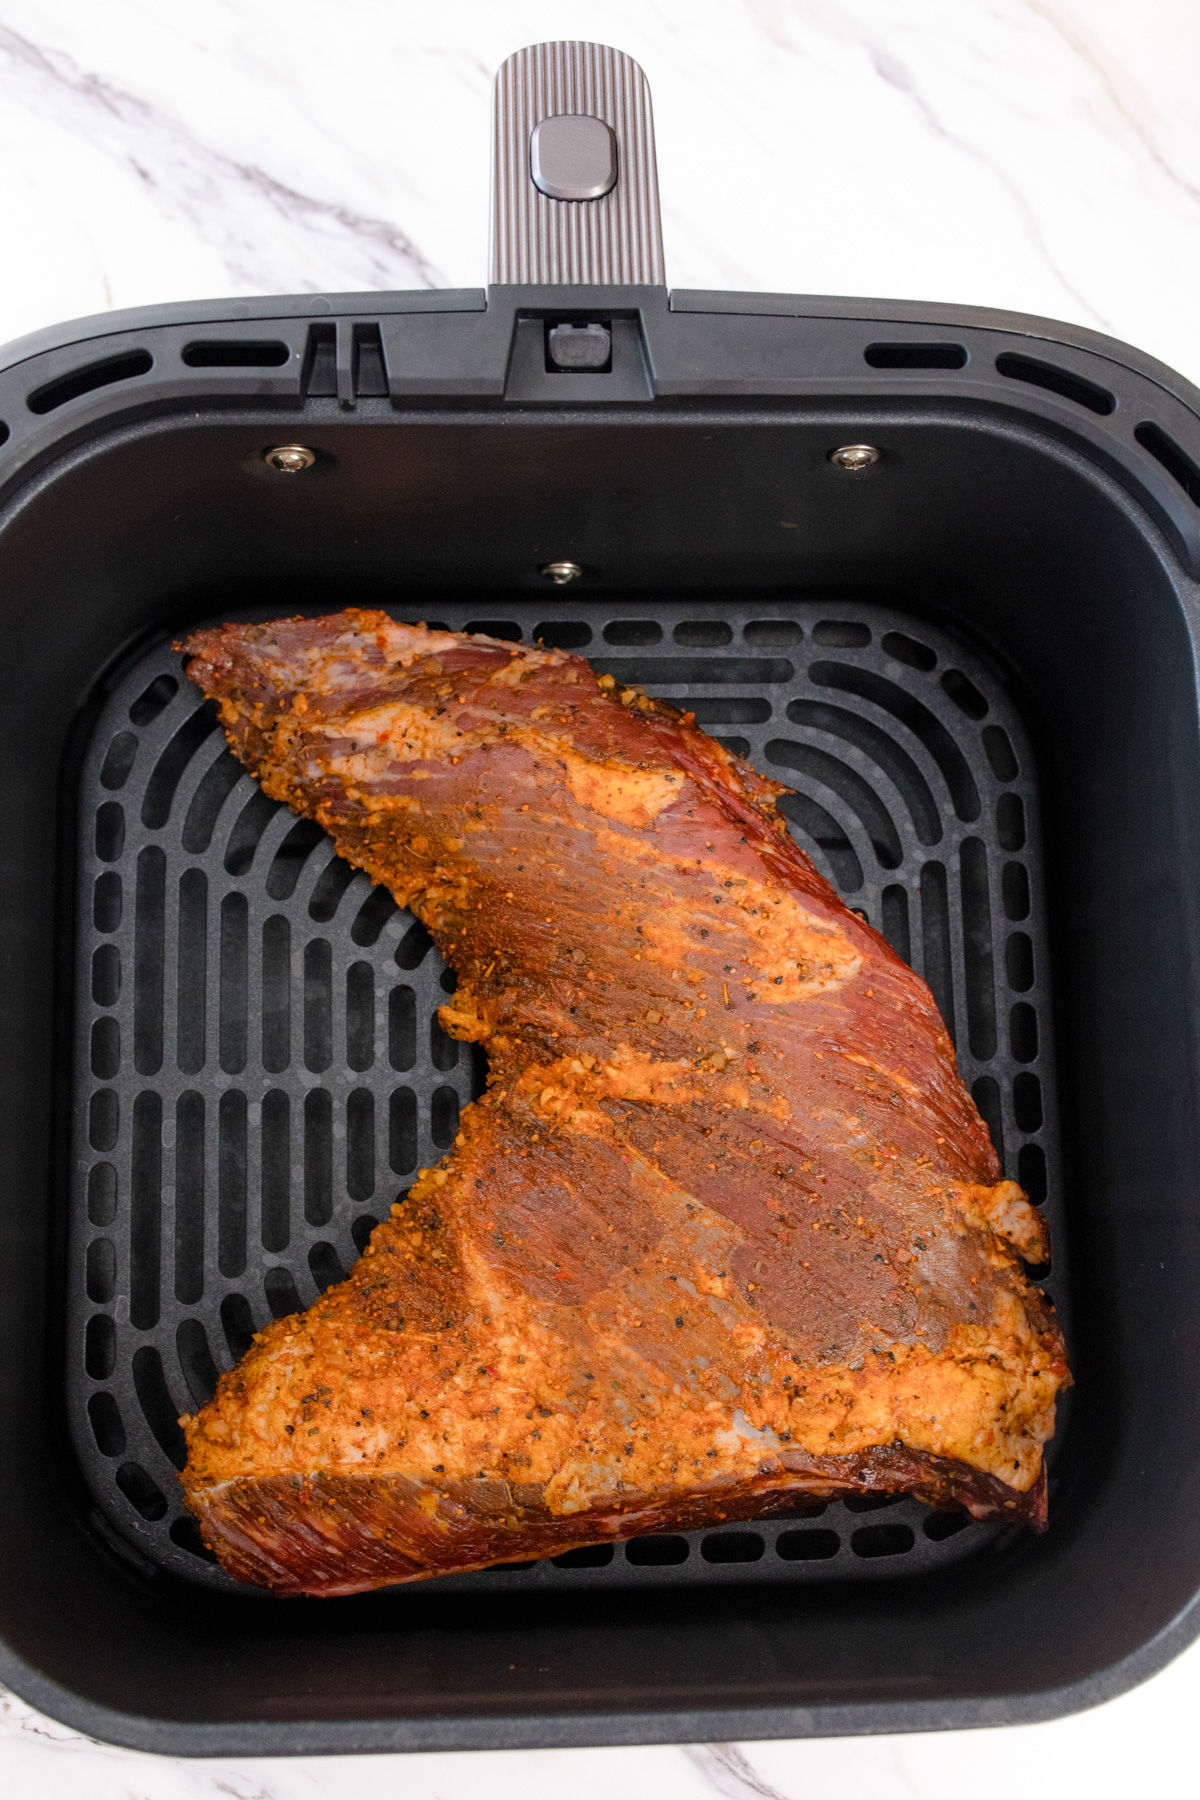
{"x":259,"y":1070}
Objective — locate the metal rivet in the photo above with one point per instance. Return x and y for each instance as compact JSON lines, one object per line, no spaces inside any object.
{"x":854,"y":456}
{"x":560,"y":573}
{"x":290,"y":459}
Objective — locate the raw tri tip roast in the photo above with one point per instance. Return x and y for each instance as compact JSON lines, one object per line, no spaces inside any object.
{"x":726,"y":1230}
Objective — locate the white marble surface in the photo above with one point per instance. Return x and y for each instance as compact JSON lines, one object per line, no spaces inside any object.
{"x":1036,"y":154}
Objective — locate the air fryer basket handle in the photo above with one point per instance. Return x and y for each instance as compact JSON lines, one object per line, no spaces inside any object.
{"x":574,"y":201}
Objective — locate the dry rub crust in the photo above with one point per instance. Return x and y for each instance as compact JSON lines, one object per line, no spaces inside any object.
{"x":726,"y":1229}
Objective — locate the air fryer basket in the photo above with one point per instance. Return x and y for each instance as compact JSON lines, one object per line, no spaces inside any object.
{"x":1003,"y":602}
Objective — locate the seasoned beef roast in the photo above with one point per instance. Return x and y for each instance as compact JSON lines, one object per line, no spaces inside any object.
{"x":725,"y":1232}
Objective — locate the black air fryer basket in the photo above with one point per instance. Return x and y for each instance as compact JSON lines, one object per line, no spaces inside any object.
{"x":935,"y":568}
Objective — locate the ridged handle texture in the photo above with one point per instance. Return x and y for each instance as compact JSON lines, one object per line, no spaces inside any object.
{"x":615,"y":240}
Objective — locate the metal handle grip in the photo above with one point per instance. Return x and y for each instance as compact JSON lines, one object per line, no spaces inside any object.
{"x":558,"y":215}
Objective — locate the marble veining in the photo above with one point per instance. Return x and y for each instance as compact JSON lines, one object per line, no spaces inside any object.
{"x":254,"y":221}
{"x":727,"y":1769}
{"x":1041,"y":155}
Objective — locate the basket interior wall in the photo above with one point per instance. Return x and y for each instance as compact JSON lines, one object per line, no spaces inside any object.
{"x":1006,"y":542}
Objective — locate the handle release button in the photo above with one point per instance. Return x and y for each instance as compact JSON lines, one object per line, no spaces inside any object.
{"x":573,"y":156}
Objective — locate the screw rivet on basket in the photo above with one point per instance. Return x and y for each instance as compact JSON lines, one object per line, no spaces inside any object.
{"x":560,"y":573}
{"x":854,"y":456}
{"x":290,"y":459}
